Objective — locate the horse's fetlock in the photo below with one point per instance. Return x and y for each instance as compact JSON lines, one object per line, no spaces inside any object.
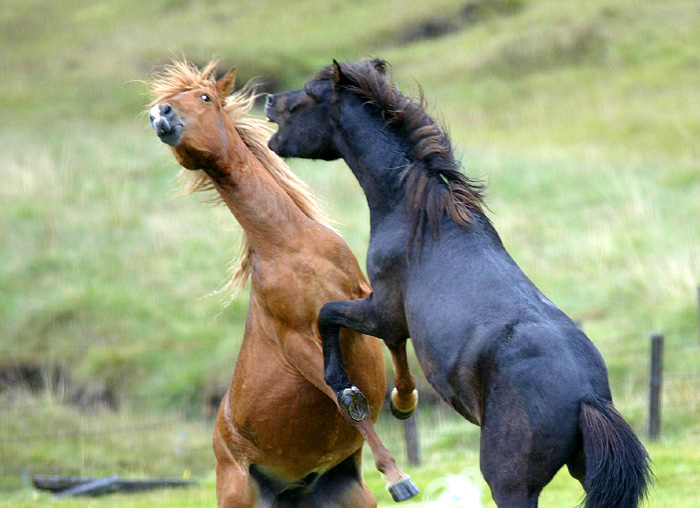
{"x":385,"y":464}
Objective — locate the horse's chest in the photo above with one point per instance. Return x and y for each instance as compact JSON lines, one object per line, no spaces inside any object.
{"x":289,"y":292}
{"x":447,"y":354}
{"x":384,"y":262}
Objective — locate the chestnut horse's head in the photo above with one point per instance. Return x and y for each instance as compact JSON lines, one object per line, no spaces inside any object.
{"x":188,"y":112}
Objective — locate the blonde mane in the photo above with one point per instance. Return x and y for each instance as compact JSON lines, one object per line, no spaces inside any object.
{"x":180,"y":76}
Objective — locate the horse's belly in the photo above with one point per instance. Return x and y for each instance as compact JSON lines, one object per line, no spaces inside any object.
{"x":295,"y":434}
{"x":288,"y":426}
{"x":458,"y":395}
{"x":449,"y":374}
{"x":295,"y":441}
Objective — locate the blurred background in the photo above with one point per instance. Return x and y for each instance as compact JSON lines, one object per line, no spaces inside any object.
{"x":583,"y":117}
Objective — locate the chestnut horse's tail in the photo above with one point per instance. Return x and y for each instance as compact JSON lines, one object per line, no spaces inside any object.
{"x":618,"y":469}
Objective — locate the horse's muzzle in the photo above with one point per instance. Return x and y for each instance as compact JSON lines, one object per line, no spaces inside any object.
{"x":166,"y":123}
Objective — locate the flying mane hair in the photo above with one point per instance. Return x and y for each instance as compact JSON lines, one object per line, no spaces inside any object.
{"x":433,"y":181}
{"x":180,"y":76}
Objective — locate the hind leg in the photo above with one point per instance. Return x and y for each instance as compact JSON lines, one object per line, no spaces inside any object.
{"x":234,"y":486}
{"x":504,"y":456}
{"x":344,"y":487}
{"x":526,"y":438}
{"x":577,"y":466}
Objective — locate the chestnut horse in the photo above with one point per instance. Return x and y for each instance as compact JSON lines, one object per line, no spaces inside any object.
{"x":280,"y":439}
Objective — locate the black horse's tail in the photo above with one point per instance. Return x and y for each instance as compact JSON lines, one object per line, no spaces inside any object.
{"x":618,"y":470}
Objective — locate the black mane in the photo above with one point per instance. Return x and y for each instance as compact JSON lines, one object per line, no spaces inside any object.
{"x":433,"y":181}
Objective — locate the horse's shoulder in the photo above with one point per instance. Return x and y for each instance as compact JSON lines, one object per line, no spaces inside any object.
{"x":293,"y":291}
{"x":336,"y":265}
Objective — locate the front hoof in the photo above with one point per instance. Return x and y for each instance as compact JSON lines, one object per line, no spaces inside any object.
{"x":403,"y":414}
{"x":403,"y":490}
{"x":353,"y":403}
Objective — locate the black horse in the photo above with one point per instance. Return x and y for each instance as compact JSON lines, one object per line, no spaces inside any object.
{"x":491,"y":344}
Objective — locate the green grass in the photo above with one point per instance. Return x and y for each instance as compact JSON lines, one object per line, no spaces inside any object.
{"x":44,"y":436}
{"x":449,"y":445}
{"x":581,"y":116}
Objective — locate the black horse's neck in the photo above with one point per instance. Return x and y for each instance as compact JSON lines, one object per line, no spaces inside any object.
{"x":375,"y":153}
{"x":379,"y":154}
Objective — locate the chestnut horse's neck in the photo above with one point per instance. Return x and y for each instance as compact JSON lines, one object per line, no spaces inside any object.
{"x":269,"y":217}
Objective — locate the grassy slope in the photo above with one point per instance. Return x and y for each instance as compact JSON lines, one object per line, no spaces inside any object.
{"x":582,"y":117}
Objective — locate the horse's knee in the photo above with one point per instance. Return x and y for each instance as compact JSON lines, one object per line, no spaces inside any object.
{"x":384,"y":462}
{"x":509,"y":488}
{"x":405,"y":383}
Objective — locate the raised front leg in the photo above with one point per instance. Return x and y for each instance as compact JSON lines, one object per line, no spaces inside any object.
{"x":404,"y":398}
{"x":358,"y":315}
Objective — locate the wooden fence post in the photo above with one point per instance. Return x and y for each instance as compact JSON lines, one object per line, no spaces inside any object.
{"x":655,"y":382}
{"x":698,"y":290}
{"x":410,"y":432}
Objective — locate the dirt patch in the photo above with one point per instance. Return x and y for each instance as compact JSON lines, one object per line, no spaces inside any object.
{"x":430,"y":29}
{"x":468,"y":15}
{"x":22,"y":377}
{"x":30,"y":376}
{"x":541,"y":50}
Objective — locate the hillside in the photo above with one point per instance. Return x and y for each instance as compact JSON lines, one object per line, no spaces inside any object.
{"x":583,"y":119}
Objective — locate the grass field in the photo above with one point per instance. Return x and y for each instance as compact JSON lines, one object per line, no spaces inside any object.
{"x":453,"y":450}
{"x":582,"y":117}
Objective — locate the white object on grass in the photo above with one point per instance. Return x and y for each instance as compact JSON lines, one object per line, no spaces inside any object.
{"x":454,"y":491}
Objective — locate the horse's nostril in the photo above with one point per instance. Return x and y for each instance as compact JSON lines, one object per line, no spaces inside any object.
{"x":165,"y":109}
{"x":270,"y":100}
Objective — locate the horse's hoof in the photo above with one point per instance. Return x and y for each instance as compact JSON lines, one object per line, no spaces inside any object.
{"x":403,"y":490}
{"x":398,"y":413}
{"x":401,"y":415}
{"x":354,"y":403}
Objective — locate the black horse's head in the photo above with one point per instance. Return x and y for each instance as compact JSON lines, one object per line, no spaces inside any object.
{"x":307,"y":117}
{"x":305,"y":124}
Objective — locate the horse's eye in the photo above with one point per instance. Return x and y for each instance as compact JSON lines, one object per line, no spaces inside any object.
{"x":205,"y":97}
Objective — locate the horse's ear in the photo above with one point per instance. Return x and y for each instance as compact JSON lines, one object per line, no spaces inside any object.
{"x":226,"y":84}
{"x":379,"y":65}
{"x":338,"y":75}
